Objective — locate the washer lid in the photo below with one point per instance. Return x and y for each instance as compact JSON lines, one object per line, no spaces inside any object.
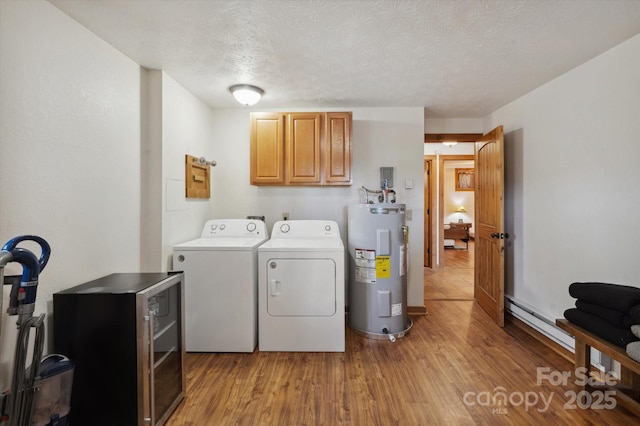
{"x":221,"y":243}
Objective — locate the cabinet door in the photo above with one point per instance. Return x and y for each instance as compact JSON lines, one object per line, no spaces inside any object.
{"x":267,"y":148}
{"x":337,"y":148}
{"x":303,"y":148}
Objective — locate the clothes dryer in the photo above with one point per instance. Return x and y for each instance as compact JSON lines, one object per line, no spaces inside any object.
{"x":221,"y":279}
{"x":301,"y":288}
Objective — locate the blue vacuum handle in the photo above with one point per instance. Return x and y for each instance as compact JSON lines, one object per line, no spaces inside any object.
{"x":23,"y":298}
{"x":11,"y":245}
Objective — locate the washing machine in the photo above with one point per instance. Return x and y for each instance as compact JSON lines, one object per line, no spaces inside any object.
{"x":301,"y":288}
{"x":221,"y":279}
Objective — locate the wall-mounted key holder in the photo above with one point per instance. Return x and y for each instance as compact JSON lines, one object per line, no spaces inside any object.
{"x":198,"y":176}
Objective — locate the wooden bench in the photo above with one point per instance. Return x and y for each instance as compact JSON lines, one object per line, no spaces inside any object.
{"x":629,"y":384}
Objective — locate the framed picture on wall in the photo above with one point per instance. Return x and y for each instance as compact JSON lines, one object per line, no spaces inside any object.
{"x":465,"y":180}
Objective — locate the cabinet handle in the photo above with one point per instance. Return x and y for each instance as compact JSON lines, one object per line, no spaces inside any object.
{"x":152,"y":408}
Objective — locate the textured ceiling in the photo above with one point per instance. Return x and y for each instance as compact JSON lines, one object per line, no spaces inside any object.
{"x":454,"y":58}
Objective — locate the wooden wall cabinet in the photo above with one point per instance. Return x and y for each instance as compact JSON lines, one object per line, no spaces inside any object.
{"x":303,"y":144}
{"x":302,"y":148}
{"x":337,"y":164}
{"x":267,"y":148}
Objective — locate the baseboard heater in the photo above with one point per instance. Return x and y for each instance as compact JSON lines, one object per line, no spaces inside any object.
{"x":547,"y":327}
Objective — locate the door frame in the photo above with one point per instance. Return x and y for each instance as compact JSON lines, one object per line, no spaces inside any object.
{"x":431,"y":203}
{"x":436,"y":239}
{"x":429,"y":217}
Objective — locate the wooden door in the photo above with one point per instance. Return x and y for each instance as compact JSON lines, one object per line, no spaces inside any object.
{"x":267,"y":148}
{"x":337,"y":148}
{"x":489,"y":217}
{"x":303,"y":148}
{"x":427,"y":213}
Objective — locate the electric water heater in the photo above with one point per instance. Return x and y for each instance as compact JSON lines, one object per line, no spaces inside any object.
{"x":377,"y":242}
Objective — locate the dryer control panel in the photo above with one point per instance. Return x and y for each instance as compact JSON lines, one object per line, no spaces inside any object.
{"x":305,"y":229}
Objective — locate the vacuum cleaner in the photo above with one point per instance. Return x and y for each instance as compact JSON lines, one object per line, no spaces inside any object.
{"x":44,"y":388}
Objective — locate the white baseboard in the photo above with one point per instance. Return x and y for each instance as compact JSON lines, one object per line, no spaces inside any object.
{"x":546,"y":326}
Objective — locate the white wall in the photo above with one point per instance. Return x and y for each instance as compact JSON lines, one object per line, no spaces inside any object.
{"x":70,"y":152}
{"x":572,"y":147}
{"x":176,"y":123}
{"x":453,"y":125}
{"x":187,"y":128}
{"x":381,"y":137}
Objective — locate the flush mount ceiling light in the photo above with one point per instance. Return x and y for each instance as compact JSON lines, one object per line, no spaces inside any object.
{"x":449,"y":143}
{"x":246,"y":94}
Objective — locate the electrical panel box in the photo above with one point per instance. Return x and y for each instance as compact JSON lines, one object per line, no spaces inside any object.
{"x":386,"y":173}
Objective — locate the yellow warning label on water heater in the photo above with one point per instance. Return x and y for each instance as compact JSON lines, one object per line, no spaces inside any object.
{"x":383,"y":267}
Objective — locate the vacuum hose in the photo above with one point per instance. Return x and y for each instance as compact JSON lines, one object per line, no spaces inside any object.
{"x":44,"y":247}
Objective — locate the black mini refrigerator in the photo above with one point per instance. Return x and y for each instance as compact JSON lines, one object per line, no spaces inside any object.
{"x":125,"y":335}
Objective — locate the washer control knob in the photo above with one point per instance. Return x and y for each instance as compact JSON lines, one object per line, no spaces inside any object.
{"x":214,"y":227}
{"x":251,"y":226}
{"x":327,"y":228}
{"x":284,"y":228}
{"x":222,"y":226}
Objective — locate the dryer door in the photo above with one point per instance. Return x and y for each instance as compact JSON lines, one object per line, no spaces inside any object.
{"x":301,"y":287}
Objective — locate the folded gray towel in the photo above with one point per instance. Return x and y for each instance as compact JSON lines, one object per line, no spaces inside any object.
{"x":633,"y":350}
{"x":635,"y":329}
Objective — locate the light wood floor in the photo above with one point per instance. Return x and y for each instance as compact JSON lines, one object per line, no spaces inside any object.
{"x":422,"y":379}
{"x":455,"y":280}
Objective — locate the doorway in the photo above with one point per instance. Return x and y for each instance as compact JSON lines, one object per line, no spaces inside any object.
{"x":452,"y":277}
{"x":448,"y":272}
{"x":488,"y":185}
